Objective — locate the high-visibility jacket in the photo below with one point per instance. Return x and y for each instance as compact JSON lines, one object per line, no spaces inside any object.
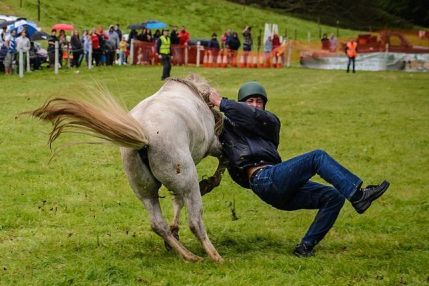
{"x":351,"y":49}
{"x":165,"y":45}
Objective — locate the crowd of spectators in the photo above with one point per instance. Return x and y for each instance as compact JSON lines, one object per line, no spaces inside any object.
{"x":108,"y":47}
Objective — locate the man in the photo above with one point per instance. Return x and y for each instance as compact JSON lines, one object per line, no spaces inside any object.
{"x":23,"y":44}
{"x":51,"y":47}
{"x":10,"y":43}
{"x":351,"y":52}
{"x":174,"y":36}
{"x":250,"y":139}
{"x":163,"y":49}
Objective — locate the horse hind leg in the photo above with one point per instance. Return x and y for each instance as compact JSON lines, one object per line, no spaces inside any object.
{"x":160,"y":227}
{"x":146,"y":187}
{"x":194,"y":205}
{"x":174,"y":226}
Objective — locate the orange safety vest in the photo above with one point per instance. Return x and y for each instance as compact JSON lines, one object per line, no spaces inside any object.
{"x":351,"y":49}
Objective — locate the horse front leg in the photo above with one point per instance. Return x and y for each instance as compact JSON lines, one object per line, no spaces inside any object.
{"x":207,"y":185}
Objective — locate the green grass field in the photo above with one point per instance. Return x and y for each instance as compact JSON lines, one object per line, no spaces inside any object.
{"x":75,"y":220}
{"x":201,"y":18}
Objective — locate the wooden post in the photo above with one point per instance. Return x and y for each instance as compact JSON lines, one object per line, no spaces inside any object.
{"x":90,"y":55}
{"x":132,"y":52}
{"x":289,"y":53}
{"x":38,"y":10}
{"x":21,"y":63}
{"x":198,"y":53}
{"x":186,"y":53}
{"x":28,"y":61}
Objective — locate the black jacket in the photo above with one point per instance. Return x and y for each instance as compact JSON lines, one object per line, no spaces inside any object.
{"x":250,"y":137}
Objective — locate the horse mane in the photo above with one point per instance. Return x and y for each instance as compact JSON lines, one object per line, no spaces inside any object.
{"x":202,"y":89}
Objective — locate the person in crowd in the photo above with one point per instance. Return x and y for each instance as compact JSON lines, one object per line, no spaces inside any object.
{"x":247,"y":39}
{"x":233,"y":44}
{"x":174,"y":36}
{"x":276,"y":44}
{"x":76,"y":49}
{"x":250,"y":139}
{"x":184,"y":36}
{"x":2,"y":36}
{"x":63,"y":46}
{"x":96,"y":47}
{"x":35,"y":60}
{"x":123,"y":47}
{"x":51,"y":47}
{"x":114,"y":37}
{"x":351,"y":53}
{"x":23,"y":45}
{"x":332,"y":43}
{"x":247,"y":42}
{"x":133,"y":35}
{"x":213,"y":43}
{"x":10,"y":43}
{"x":87,"y":44}
{"x":268,"y":48}
{"x":276,"y":41}
{"x":325,"y":42}
{"x":118,"y":31}
{"x":157,"y":35}
{"x":163,"y":50}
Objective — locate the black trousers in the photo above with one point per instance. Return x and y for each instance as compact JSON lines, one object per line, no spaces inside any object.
{"x":351,"y":61}
{"x":166,"y":66}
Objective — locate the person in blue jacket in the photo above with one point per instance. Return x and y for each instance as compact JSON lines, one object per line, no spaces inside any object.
{"x":250,"y":139}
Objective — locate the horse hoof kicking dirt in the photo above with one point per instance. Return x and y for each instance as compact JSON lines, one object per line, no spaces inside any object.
{"x":161,"y":140}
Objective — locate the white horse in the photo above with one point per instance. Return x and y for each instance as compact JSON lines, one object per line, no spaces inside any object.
{"x":161,"y":139}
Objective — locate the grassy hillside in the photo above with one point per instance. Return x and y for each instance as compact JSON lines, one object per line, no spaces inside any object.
{"x":76,"y":221}
{"x":200,"y":17}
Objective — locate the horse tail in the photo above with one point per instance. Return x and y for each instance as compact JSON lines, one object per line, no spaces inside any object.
{"x":100,"y":116}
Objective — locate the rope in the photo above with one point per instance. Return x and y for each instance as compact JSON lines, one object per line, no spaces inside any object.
{"x":204,"y":94}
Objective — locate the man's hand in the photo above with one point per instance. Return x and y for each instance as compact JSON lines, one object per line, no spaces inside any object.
{"x":215,"y":98}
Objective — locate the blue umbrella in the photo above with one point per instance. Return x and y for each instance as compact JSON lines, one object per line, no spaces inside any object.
{"x":153,"y":24}
{"x":20,"y":25}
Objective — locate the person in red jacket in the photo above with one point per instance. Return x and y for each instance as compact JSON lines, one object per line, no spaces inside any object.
{"x":184,"y":36}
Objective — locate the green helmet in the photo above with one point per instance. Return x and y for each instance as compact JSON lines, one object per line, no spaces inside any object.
{"x":252,"y":88}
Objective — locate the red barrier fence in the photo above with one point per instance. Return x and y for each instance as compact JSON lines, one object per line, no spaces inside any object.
{"x":144,"y":54}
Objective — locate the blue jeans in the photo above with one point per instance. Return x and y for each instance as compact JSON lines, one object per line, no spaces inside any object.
{"x":287,"y":186}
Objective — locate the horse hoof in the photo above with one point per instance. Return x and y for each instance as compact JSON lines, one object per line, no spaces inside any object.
{"x":167,"y":246}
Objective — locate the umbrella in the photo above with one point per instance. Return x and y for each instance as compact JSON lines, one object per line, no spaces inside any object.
{"x":39,"y":35}
{"x":136,"y":26}
{"x":20,"y":25}
{"x":6,"y":23}
{"x":154,"y":24}
{"x":61,"y":26}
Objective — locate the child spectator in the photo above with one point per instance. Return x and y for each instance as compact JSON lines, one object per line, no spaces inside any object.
{"x":123,"y":46}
